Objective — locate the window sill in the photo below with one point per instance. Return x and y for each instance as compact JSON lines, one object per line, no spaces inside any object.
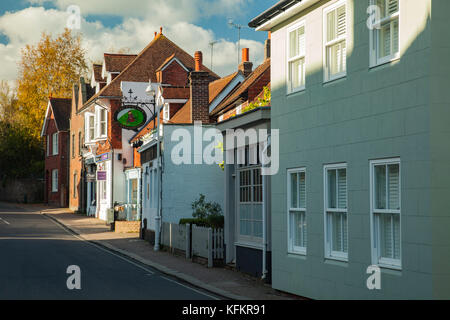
{"x":296,"y":255}
{"x":336,"y":258}
{"x":299,"y":253}
{"x":296,"y":91}
{"x":257,"y":246}
{"x":335,"y":79}
{"x":390,"y":267}
{"x":384,"y":63}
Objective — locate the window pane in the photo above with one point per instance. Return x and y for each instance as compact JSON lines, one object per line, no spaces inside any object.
{"x":380,"y":187}
{"x":331,"y":26}
{"x":390,"y":236}
{"x":394,"y":187}
{"x":298,"y":229}
{"x":332,"y":189}
{"x":395,"y":31}
{"x":293,"y":44}
{"x":294,"y":190}
{"x":342,"y":188}
{"x":339,"y":232}
{"x":302,"y":190}
{"x":385,"y":48}
{"x":337,"y":58}
{"x":341,"y":23}
{"x":297,"y":73}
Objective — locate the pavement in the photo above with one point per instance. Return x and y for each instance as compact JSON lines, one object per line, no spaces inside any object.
{"x":223,"y":282}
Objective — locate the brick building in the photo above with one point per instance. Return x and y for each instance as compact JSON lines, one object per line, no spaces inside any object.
{"x":55,"y":132}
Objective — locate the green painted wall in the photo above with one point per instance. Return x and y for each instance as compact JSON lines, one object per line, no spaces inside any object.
{"x":395,"y":110}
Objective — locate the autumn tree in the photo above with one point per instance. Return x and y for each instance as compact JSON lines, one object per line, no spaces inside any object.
{"x":8,"y":103}
{"x":48,"y":69}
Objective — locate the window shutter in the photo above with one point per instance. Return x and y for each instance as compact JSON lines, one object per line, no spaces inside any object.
{"x":302,"y":190}
{"x":331,"y":26}
{"x":341,"y":21}
{"x":394,"y":187}
{"x":342,"y":189}
{"x":293,"y":44}
{"x":301,"y":41}
{"x":392,"y":6}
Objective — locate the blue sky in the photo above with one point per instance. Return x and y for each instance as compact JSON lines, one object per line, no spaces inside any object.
{"x":108,"y":25}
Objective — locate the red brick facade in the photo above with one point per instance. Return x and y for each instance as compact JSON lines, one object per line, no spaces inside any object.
{"x":56,"y":162}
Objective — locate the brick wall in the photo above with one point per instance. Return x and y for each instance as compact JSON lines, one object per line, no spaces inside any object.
{"x":174,"y":75}
{"x":59,"y":162}
{"x":200,"y":96}
{"x":76,"y":162}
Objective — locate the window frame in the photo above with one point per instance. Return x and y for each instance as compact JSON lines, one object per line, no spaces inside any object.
{"x":388,"y":263}
{"x":55,"y":186}
{"x":326,"y":44}
{"x":292,"y":249}
{"x":289,"y":88}
{"x":374,"y":39}
{"x":329,"y":253}
{"x":88,"y":128}
{"x":75,"y":189}
{"x":55,"y":144}
{"x":98,"y":123}
{"x":166,"y":112}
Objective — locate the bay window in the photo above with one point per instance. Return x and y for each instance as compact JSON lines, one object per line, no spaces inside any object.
{"x":335,"y":191}
{"x":296,"y":57}
{"x":335,"y":36}
{"x":385,"y":212}
{"x":384,"y":37}
{"x":297,"y":226}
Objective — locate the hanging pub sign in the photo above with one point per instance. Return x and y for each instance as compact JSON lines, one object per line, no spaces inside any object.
{"x":130,"y":117}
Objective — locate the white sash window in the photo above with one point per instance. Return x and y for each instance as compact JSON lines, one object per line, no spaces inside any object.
{"x":297,"y":226}
{"x":296,"y":57}
{"x":386,"y":211}
{"x":384,"y":37}
{"x":336,"y":234}
{"x":335,"y":37}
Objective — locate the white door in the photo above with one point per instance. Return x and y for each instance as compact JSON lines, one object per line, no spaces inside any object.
{"x":150,"y":196}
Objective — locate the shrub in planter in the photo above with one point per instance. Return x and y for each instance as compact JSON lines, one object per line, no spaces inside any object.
{"x":205,"y":214}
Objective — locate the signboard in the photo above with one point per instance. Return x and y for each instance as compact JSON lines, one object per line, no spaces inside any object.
{"x":101,"y":175}
{"x":130,"y":117}
{"x":90,"y":177}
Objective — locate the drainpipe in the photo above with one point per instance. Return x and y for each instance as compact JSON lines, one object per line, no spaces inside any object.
{"x":264,"y":211}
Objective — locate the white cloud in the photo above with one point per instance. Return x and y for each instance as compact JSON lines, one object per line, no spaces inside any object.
{"x":26,"y":26}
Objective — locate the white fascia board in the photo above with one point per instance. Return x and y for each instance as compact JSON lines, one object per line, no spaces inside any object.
{"x":104,"y":73}
{"x":179,"y":62}
{"x":147,"y":146}
{"x":44,"y":125}
{"x":236,"y":81}
{"x":292,"y":11}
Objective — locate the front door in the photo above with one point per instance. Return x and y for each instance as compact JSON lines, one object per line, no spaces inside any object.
{"x":150,"y":195}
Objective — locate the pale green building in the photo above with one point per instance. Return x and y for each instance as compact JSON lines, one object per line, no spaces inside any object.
{"x":361,"y":96}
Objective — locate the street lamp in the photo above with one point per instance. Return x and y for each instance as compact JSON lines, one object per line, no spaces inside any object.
{"x":158,"y":101}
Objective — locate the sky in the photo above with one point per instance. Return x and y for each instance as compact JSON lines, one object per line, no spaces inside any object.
{"x":111,"y":25}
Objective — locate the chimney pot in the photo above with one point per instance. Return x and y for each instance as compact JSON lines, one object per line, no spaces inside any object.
{"x":198,"y":60}
{"x":160,"y":30}
{"x":156,"y":33}
{"x":245,"y":55}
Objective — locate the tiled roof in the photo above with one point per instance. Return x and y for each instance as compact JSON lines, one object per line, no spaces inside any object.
{"x":144,"y":67}
{"x":176,"y":92}
{"x":215,"y":88}
{"x":97,"y":69}
{"x":61,"y":111}
{"x":243,"y":87}
{"x":117,"y":62}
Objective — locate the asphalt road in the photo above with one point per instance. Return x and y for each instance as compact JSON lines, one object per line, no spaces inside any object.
{"x":35,"y":253}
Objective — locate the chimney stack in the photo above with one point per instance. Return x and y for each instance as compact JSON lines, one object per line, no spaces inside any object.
{"x":246,"y":67}
{"x":267,"y":46}
{"x":199,"y":91}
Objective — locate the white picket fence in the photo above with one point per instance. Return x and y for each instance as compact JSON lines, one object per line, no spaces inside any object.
{"x":196,"y":241}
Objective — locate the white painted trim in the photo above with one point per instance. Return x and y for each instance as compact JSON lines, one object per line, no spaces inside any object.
{"x":325,"y":45}
{"x":297,"y":25}
{"x":176,"y":60}
{"x":291,"y":249}
{"x":373,"y":48}
{"x":44,"y":126}
{"x":295,"y":9}
{"x":329,"y":253}
{"x":374,"y":234}
{"x":237,"y":80}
